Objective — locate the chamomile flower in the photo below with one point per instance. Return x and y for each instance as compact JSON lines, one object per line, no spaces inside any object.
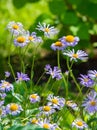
{"x":55,"y":72}
{"x":79,"y":55}
{"x":69,"y":40}
{"x":15,"y":28}
{"x":13,"y":109}
{"x":56,"y":101}
{"x":22,"y":77}
{"x":79,"y":123}
{"x":90,"y":102}
{"x":72,"y":105}
{"x":47,"y":125}
{"x":48,"y":30}
{"x":21,"y":41}
{"x":92,"y":74}
{"x":46,"y":110}
{"x":33,"y":38}
{"x":58,"y":46}
{"x":34,"y":98}
{"x":5,"y":86}
{"x":85,"y":80}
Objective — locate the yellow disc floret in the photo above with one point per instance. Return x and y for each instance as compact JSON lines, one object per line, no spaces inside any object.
{"x":21,"y":39}
{"x":46,"y":126}
{"x":15,"y":26}
{"x":33,"y":96}
{"x":13,"y":107}
{"x":31,"y":38}
{"x":46,"y":30}
{"x":55,"y":101}
{"x":34,"y":121}
{"x":79,"y":123}
{"x":75,"y":55}
{"x":46,"y":108}
{"x":59,"y":44}
{"x":93,"y":103}
{"x":69,"y":38}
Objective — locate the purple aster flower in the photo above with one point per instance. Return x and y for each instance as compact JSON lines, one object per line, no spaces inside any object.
{"x":21,"y":40}
{"x":56,"y":101}
{"x":2,"y":95}
{"x":22,"y":77}
{"x":5,"y":86}
{"x":92,"y":74}
{"x":33,"y":38}
{"x":85,"y":80}
{"x":48,"y":31}
{"x":1,"y":103}
{"x":58,"y":46}
{"x":34,"y":98}
{"x":2,"y":111}
{"x":79,"y":123}
{"x":55,"y":72}
{"x":72,"y":105}
{"x":81,"y":55}
{"x":90,"y":102}
{"x":69,"y":40}
{"x":7,"y":74}
{"x":13,"y":109}
{"x":15,"y":28}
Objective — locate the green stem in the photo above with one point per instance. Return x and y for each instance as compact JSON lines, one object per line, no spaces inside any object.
{"x":58,"y":58}
{"x":71,"y":74}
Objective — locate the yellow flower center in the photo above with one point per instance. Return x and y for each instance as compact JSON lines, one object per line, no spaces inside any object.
{"x":69,"y":38}
{"x":46,"y":126}
{"x":15,"y":26}
{"x":46,"y":108}
{"x":79,"y":123}
{"x":93,"y":103}
{"x":59,"y":44}
{"x":55,"y":101}
{"x":86,"y":79}
{"x":5,"y":84}
{"x":14,"y":107}
{"x":34,"y":121}
{"x":75,"y":55}
{"x":46,"y":30}
{"x":69,"y":103}
{"x":34,"y":96}
{"x":20,"y":39}
{"x":96,"y":75}
{"x":31,"y":38}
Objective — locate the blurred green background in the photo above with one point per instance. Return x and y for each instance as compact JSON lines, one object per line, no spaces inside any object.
{"x":76,"y":17}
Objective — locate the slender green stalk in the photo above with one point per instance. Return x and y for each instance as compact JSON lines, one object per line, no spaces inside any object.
{"x":71,"y":74}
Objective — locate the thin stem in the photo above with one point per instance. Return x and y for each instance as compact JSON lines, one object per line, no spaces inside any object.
{"x":58,"y":58}
{"x":71,"y":74}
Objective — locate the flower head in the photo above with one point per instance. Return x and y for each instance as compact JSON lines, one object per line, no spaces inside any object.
{"x":33,"y":38}
{"x":21,"y":41}
{"x":48,"y":31}
{"x":15,"y":28}
{"x":56,"y":101}
{"x":72,"y":105}
{"x":2,"y":112}
{"x":22,"y":77}
{"x":85,"y":80}
{"x":5,"y":86}
{"x":92,"y":74}
{"x":34,"y":98}
{"x":34,"y":121}
{"x":2,"y":95}
{"x":69,"y":40}
{"x":81,"y":55}
{"x":13,"y":109}
{"x":90,"y":102}
{"x":46,"y":110}
{"x":7,"y":74}
{"x":47,"y":125}
{"x":58,"y":46}
{"x":55,"y":72}
{"x":79,"y":123}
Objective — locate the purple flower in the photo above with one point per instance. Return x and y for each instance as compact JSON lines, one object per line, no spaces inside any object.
{"x":2,"y":95}
{"x":34,"y":98}
{"x":7,"y":74}
{"x":90,"y":102}
{"x":85,"y":80}
{"x":92,"y":74}
{"x":22,"y":77}
{"x":58,"y":46}
{"x":55,"y":72}
{"x":1,"y":103}
{"x":69,"y":40}
{"x":5,"y":86}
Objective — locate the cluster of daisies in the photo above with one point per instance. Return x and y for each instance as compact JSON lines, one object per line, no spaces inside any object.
{"x":55,"y":104}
